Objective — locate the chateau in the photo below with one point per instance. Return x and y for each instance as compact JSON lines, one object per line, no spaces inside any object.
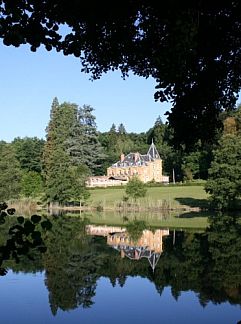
{"x":147,"y":167}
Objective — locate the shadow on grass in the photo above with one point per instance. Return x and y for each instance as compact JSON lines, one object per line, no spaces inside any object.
{"x":193,"y":214}
{"x":193,"y":202}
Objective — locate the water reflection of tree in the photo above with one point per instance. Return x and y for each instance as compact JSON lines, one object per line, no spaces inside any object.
{"x":135,"y":229}
{"x":72,"y":264}
{"x":207,"y":263}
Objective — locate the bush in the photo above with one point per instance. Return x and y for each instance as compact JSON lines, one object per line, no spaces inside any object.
{"x":135,"y":188}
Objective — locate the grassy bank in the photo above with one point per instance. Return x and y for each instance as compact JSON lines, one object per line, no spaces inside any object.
{"x":174,"y":197}
{"x":157,"y":220}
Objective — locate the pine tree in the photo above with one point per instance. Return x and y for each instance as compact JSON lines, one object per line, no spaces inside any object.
{"x":84,"y":145}
{"x":157,"y":133}
{"x":121,"y":129}
{"x":158,"y":122}
{"x":113,"y":128}
{"x":58,"y":162}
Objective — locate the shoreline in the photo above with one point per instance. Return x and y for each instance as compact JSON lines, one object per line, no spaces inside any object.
{"x":126,"y":209}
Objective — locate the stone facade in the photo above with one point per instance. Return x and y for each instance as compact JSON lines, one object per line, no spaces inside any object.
{"x":147,"y":167}
{"x":151,"y":240}
{"x":105,"y":181}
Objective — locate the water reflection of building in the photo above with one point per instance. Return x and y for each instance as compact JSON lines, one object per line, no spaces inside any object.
{"x":149,"y":245}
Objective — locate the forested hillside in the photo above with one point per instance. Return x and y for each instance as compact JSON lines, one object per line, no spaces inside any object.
{"x":55,"y":168}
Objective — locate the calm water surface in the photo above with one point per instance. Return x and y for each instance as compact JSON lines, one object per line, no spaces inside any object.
{"x":129,"y":274}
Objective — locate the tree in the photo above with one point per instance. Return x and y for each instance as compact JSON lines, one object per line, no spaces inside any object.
{"x":224,"y":183}
{"x":29,"y":152}
{"x":157,"y":133}
{"x":113,"y":128}
{"x":31,"y":184}
{"x":135,"y":188}
{"x":191,"y":165}
{"x":191,"y":49}
{"x":121,"y":129}
{"x":83,"y":144}
{"x":92,"y":149}
{"x":10,"y":173}
{"x":63,"y":171}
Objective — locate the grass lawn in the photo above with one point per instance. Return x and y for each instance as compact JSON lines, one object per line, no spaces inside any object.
{"x":192,"y":196}
{"x":177,"y":197}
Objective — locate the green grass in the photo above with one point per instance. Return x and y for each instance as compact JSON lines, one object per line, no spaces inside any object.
{"x":177,"y":197}
{"x":191,"y":196}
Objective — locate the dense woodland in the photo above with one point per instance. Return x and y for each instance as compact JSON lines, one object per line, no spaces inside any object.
{"x":55,"y":169}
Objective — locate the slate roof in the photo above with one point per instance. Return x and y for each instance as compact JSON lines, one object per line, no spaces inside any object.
{"x":153,"y":152}
{"x":137,"y":159}
{"x":135,"y":253}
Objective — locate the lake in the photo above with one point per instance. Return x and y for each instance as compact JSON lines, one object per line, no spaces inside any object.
{"x":131,"y":273}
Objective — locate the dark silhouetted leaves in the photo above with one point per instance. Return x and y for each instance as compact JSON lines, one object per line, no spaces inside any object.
{"x":11,"y":211}
{"x":46,"y":225}
{"x":36,"y":219}
{"x":3,"y":206}
{"x":20,"y":219}
{"x":23,"y":237}
{"x":28,"y":227}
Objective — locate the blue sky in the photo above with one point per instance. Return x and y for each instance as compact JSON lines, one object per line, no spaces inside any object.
{"x":29,"y":82}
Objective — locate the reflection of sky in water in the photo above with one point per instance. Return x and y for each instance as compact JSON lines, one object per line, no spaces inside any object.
{"x":24,"y":299}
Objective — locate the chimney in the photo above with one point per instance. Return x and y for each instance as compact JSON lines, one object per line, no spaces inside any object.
{"x":136,"y":156}
{"x":122,"y":157}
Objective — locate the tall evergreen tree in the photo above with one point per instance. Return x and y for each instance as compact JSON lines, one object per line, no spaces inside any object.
{"x":157,"y":133}
{"x":58,"y":162}
{"x":121,"y":129}
{"x":113,"y":128}
{"x":84,"y":146}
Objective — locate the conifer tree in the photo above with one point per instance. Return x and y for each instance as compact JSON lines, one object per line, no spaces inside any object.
{"x":113,"y":128}
{"x":58,"y":162}
{"x":121,"y":129}
{"x":84,"y":146}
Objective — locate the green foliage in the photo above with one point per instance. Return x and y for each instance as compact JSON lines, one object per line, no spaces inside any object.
{"x":135,"y":188}
{"x":121,"y":129}
{"x":224,"y":183}
{"x":195,"y":164}
{"x":72,"y":264}
{"x":91,"y":150}
{"x":31,"y":184}
{"x":29,"y":152}
{"x":135,"y":229}
{"x":64,"y":169}
{"x":10,"y":173}
{"x":156,"y":133}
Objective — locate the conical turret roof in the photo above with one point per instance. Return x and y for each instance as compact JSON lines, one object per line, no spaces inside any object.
{"x":153,"y":152}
